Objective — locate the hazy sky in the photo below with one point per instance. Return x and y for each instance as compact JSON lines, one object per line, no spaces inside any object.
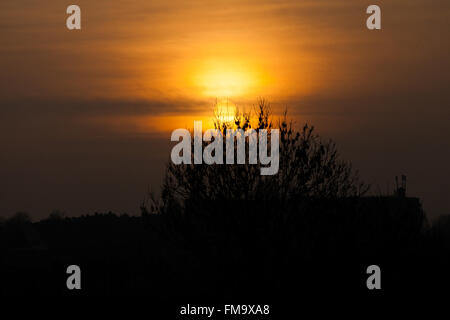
{"x":85,"y":116}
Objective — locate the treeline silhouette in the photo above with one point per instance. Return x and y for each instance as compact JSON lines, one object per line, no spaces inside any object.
{"x":227,"y":231}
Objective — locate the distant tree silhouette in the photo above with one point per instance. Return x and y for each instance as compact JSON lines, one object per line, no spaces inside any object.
{"x":20,"y":217}
{"x":56,"y":215}
{"x":18,"y":230}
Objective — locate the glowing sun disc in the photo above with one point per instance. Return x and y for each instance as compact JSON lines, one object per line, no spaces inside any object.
{"x":225,"y":110}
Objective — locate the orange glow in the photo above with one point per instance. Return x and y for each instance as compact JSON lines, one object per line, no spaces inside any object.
{"x":214,"y":74}
{"x":225,"y":110}
{"x":216,"y":78}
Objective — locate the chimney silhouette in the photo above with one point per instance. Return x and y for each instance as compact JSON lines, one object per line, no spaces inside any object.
{"x":400,"y":189}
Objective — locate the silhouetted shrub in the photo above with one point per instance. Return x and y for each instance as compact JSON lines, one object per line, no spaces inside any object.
{"x":309,"y":167}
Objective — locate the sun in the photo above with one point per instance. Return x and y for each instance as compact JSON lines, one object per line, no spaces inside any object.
{"x":225,"y":111}
{"x":228,"y":83}
{"x":225,"y":78}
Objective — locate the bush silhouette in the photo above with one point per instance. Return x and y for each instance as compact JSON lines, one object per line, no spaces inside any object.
{"x":309,"y":168}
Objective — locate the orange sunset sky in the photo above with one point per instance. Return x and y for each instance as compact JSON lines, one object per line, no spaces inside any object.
{"x":86,"y":116}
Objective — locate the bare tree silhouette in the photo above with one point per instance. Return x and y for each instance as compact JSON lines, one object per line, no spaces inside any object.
{"x":309,"y":167}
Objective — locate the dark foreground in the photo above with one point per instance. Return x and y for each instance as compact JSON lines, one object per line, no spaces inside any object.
{"x":232,"y":249}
